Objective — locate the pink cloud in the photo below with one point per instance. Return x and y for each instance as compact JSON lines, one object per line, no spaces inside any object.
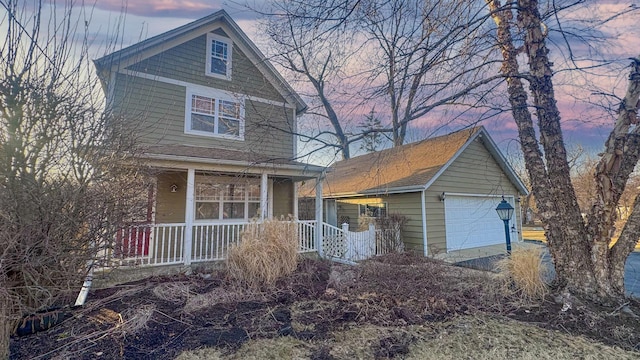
{"x":189,"y":9}
{"x":162,"y":8}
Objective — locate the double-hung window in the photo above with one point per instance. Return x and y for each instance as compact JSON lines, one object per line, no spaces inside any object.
{"x":226,"y":198}
{"x":217,"y":115}
{"x":218,"y":61}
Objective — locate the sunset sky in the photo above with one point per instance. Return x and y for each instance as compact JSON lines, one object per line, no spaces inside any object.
{"x":146,"y":18}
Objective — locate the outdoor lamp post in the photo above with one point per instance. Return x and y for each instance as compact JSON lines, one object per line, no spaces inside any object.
{"x":505,"y":211}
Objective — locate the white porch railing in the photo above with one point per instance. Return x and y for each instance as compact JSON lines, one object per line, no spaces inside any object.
{"x":164,"y":244}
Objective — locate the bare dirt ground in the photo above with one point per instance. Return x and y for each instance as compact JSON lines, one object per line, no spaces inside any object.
{"x":397,"y":306}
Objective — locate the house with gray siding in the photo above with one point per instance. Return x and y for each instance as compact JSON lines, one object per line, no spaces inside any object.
{"x":448,"y":187}
{"x":217,"y":123}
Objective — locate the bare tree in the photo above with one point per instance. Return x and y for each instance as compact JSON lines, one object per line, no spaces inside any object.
{"x":585,"y":264}
{"x":66,"y":177}
{"x":425,"y":54}
{"x":409,"y":56}
{"x":311,"y":40}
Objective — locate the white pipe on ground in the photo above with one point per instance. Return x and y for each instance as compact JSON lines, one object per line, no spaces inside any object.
{"x":82,"y":296}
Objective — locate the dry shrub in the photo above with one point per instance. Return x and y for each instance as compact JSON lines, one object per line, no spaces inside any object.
{"x":267,"y":251}
{"x":136,"y":319}
{"x":175,"y":292}
{"x":216,"y":296}
{"x":524,"y":272}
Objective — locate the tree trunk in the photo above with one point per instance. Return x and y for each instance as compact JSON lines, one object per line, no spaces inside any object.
{"x":584,"y":264}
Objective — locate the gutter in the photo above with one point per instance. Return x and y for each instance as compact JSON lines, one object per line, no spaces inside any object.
{"x":309,"y":168}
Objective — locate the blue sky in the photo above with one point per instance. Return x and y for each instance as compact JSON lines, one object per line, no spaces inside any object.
{"x":583,"y":125}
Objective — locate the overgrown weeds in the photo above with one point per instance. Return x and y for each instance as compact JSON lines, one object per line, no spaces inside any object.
{"x":267,"y":251}
{"x":524,"y":274}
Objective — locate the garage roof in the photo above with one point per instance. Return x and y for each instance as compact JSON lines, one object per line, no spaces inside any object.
{"x":410,"y":167}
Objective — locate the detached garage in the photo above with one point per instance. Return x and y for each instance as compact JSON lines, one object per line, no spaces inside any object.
{"x":448,"y":187}
{"x":471,"y":221}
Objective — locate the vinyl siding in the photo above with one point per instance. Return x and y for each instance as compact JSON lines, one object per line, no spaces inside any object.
{"x":282,"y":198}
{"x":405,"y":204}
{"x":155,"y":112}
{"x":170,"y":207}
{"x":187,"y":61}
{"x":474,"y":172}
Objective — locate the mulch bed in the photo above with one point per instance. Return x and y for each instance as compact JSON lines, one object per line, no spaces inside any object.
{"x":160,"y":317}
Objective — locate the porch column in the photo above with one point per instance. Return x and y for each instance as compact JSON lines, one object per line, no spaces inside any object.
{"x":295,"y":200}
{"x":189,"y":216}
{"x":319,"y":222}
{"x":264,"y":196}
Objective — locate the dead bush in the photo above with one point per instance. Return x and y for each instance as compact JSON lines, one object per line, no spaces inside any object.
{"x":524,"y":273}
{"x":267,"y":251}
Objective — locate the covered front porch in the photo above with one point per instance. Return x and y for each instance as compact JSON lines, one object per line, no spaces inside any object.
{"x":197,"y":212}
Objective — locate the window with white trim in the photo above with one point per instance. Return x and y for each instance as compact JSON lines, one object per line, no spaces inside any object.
{"x":219,"y":51}
{"x":226,"y":198}
{"x":211,"y":115}
{"x":376,"y":210}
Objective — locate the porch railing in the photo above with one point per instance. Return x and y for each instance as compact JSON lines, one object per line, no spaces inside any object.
{"x":164,"y":244}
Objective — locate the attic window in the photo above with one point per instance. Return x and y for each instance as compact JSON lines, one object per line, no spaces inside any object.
{"x":218,"y":60}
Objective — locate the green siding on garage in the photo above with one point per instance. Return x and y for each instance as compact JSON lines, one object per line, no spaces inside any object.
{"x":407,"y":204}
{"x":474,"y":172}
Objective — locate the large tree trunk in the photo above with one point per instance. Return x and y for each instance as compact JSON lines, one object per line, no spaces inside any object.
{"x":584,"y":264}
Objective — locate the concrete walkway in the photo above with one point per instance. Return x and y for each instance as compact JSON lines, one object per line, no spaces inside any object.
{"x":457,"y":256}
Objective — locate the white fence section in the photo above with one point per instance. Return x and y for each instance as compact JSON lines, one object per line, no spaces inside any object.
{"x":306,"y":236}
{"x":165,"y":244}
{"x":360,"y":245}
{"x":340,"y":243}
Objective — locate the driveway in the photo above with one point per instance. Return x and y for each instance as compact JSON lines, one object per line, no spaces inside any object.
{"x":631,"y":270}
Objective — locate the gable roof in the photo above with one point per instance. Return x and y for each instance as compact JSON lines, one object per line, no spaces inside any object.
{"x":115,"y":61}
{"x":410,"y":167}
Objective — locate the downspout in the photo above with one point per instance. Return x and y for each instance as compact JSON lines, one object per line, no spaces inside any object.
{"x":86,"y":286}
{"x":423,"y":210}
{"x":319,"y":213}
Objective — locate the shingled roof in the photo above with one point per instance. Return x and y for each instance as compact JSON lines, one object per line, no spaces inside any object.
{"x":120,"y":59}
{"x":411,"y":167}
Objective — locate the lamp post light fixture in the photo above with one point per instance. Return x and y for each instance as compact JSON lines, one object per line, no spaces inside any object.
{"x":505,"y":211}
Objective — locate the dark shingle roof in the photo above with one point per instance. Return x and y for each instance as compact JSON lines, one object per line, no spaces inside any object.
{"x":411,"y":165}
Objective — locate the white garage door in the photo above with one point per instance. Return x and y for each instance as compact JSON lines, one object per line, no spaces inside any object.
{"x":472,"y":221}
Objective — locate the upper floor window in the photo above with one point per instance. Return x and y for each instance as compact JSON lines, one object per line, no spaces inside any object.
{"x":210,"y":114}
{"x":218,"y":56}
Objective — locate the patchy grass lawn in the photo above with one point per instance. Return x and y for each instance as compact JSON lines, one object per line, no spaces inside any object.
{"x":465,"y":337}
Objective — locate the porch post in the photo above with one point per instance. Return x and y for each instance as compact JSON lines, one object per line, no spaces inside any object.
{"x":264,"y":196}
{"x":319,"y":222}
{"x":295,"y":200}
{"x":188,"y":216}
